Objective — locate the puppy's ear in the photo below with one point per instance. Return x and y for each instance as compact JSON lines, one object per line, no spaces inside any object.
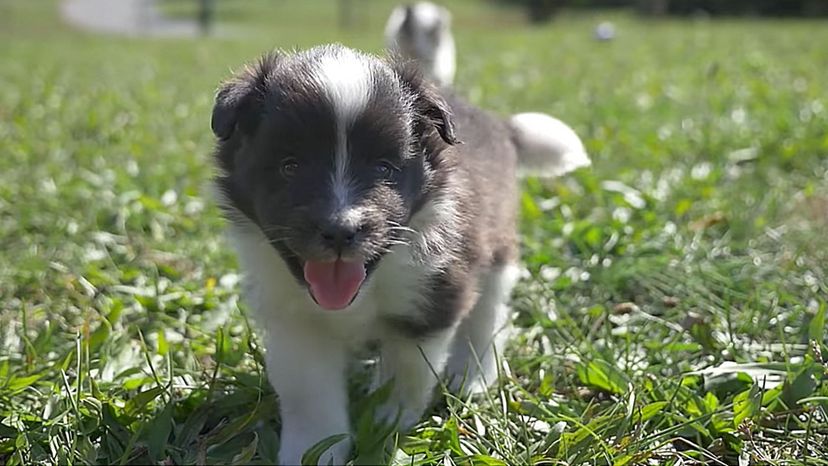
{"x":239,"y":100}
{"x":432,"y":111}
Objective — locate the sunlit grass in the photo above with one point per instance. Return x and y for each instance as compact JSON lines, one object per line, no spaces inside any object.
{"x":673,"y":306}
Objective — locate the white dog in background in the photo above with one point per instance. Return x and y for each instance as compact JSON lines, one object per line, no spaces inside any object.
{"x":422,"y":32}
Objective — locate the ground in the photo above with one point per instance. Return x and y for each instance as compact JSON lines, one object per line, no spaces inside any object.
{"x":673,"y":305}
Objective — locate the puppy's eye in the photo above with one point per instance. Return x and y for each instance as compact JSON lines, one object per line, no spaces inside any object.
{"x":288,"y":167}
{"x":385,"y":169}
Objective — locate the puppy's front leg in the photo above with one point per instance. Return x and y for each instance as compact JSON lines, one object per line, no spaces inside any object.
{"x":307,"y":370}
{"x":413,"y":367}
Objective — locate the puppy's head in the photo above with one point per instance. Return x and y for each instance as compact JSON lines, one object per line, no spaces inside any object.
{"x":329,"y":152}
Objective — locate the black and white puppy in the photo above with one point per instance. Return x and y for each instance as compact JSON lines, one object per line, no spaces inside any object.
{"x":359,"y":217}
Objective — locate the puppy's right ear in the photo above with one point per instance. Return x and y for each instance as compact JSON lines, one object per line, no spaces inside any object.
{"x":431,"y":110}
{"x":239,"y":100}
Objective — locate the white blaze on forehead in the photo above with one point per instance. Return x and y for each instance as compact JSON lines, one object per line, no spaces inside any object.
{"x":427,"y":14}
{"x":347,"y":78}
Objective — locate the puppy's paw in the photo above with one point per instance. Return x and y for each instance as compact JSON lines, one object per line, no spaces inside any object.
{"x":472,"y":388}
{"x":294,"y":448}
{"x":472,"y":379}
{"x":403,"y":417}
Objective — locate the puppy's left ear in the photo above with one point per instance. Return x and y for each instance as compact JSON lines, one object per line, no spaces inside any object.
{"x":239,"y":100}
{"x":432,"y":111}
{"x":230,"y":99}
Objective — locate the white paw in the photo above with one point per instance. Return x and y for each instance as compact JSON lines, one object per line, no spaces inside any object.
{"x":404,"y":418}
{"x":471,"y":384}
{"x":293,"y":448}
{"x":475,"y":387}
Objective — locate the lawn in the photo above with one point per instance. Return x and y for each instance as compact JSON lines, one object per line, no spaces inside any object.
{"x":674,"y":300}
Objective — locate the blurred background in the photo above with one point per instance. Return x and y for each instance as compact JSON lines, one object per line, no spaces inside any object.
{"x":672,"y":307}
{"x":202,"y":14}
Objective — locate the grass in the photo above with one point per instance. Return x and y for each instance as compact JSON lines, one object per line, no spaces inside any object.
{"x":673,"y":305}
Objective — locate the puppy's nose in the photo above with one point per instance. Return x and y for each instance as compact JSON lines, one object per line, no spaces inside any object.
{"x":339,"y":235}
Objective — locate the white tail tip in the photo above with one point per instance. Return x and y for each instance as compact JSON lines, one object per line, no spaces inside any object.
{"x":547,"y":147}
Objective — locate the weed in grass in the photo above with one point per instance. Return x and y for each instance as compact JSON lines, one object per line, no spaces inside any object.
{"x":672,"y":309}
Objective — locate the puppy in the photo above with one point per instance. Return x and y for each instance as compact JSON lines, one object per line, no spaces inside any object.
{"x":360,"y":218}
{"x":422,"y":32}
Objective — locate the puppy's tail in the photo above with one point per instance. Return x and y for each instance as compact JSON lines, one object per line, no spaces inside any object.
{"x":547,"y":147}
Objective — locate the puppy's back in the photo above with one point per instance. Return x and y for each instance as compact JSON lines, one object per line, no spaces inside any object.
{"x":487,"y":162}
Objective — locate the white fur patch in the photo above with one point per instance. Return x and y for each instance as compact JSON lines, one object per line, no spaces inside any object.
{"x":547,"y":146}
{"x":436,"y":225}
{"x":481,"y":337}
{"x":347,"y":78}
{"x":429,"y":15}
{"x":415,"y":369}
{"x":306,"y":347}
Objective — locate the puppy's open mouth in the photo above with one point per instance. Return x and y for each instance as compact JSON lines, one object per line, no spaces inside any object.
{"x":334,"y":285}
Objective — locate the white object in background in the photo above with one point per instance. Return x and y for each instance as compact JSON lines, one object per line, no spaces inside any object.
{"x":605,"y":31}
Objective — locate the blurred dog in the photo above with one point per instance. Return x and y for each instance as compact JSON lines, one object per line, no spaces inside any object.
{"x":359,"y":217}
{"x":422,"y":32}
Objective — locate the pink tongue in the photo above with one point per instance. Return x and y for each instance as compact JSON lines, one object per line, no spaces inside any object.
{"x":334,"y":284}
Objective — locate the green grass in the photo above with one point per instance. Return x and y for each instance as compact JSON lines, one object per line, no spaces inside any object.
{"x":673,"y":309}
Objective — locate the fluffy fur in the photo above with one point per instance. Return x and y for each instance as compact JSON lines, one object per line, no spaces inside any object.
{"x":548,"y":147}
{"x":422,"y":32}
{"x":331,"y":139}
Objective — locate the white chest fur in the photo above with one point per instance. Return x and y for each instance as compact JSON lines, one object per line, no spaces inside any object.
{"x":274,"y":295}
{"x":307,"y":347}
